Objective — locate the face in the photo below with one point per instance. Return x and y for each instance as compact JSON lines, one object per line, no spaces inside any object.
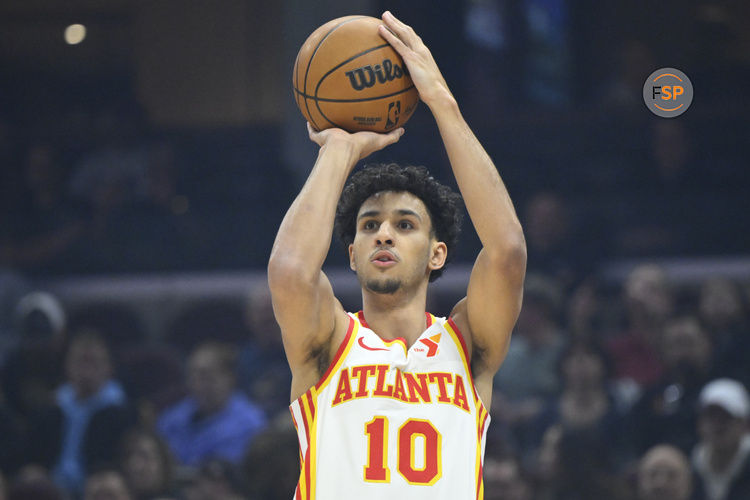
{"x":720,"y":303}
{"x":87,"y":366}
{"x":503,"y":481}
{"x":685,"y":345}
{"x":106,"y":486}
{"x":583,"y":369}
{"x":719,"y":429}
{"x":664,"y":474}
{"x":144,"y":467}
{"x":208,"y":381}
{"x":394,"y":248}
{"x":647,"y":291}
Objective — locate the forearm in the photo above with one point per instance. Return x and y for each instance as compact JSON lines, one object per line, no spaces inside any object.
{"x":304,"y":236}
{"x":485,"y":195}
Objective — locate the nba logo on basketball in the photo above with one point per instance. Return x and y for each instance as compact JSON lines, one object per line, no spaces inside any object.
{"x":394,"y":110}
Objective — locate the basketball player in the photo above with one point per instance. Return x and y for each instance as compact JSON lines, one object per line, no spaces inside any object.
{"x":392,"y":402}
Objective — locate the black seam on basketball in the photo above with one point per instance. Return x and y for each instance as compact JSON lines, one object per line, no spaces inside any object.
{"x":309,"y":63}
{"x":357,"y":100}
{"x":371,"y":49}
{"x":363,"y":99}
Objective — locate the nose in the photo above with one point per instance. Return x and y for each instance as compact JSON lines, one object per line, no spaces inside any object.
{"x":384,"y":235}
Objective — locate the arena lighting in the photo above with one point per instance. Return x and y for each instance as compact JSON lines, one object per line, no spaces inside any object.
{"x":75,"y":34}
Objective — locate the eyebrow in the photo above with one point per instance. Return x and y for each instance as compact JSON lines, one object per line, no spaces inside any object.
{"x":401,"y":211}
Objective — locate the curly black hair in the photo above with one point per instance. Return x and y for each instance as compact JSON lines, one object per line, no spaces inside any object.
{"x":444,"y":205}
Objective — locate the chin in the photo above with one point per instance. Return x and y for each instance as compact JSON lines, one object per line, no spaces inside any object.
{"x":383,"y":286}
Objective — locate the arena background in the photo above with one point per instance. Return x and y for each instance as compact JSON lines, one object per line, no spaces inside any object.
{"x":144,"y":170}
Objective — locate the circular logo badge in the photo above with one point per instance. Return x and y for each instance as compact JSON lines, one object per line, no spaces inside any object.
{"x":668,"y":92}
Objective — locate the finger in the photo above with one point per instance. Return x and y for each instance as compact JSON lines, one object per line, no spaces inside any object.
{"x":395,"y":135}
{"x":398,"y":45}
{"x":400,"y":28}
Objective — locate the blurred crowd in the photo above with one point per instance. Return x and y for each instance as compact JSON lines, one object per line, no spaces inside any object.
{"x":91,"y":409}
{"x":635,"y":390}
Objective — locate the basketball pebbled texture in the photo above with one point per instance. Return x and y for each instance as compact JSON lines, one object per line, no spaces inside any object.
{"x":347,"y":76}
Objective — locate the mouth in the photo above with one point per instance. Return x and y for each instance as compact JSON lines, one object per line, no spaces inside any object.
{"x":383,"y":258}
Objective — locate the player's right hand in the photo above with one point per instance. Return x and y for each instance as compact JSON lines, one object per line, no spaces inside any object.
{"x":364,"y":143}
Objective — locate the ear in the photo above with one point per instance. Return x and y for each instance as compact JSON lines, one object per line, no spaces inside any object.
{"x":438,"y":255}
{"x":352,"y":266}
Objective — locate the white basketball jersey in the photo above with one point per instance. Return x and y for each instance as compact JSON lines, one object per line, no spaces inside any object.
{"x":387,"y":422}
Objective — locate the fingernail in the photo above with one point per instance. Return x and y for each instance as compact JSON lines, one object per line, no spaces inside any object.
{"x":387,"y":13}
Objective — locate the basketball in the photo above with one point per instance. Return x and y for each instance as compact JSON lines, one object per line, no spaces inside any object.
{"x":347,"y":76}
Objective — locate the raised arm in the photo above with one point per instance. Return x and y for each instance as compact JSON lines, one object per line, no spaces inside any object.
{"x":304,"y":305}
{"x":494,"y":294}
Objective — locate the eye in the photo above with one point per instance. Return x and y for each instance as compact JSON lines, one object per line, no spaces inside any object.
{"x":369,"y":225}
{"x":405,"y":224}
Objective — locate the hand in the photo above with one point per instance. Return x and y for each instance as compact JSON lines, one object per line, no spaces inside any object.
{"x":363,"y":143}
{"x":422,"y":67}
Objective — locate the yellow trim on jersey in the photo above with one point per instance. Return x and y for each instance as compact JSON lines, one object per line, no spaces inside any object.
{"x":335,"y":368}
{"x":459,"y":346}
{"x":481,"y":420}
{"x":308,"y":401}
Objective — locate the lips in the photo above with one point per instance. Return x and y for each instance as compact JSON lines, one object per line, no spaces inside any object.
{"x":383,"y":258}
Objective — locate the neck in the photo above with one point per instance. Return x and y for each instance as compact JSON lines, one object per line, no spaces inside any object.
{"x":720,"y":458}
{"x":396,"y":315}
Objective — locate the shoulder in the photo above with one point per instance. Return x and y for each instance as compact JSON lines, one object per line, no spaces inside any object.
{"x":177,"y":414}
{"x":242,"y":405}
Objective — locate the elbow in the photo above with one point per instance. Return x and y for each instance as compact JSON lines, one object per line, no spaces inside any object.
{"x":510,"y":254}
{"x":287,"y":273}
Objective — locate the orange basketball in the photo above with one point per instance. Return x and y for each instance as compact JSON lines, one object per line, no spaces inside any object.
{"x":347,"y":76}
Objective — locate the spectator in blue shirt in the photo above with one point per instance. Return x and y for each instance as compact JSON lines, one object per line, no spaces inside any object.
{"x":215,"y":420}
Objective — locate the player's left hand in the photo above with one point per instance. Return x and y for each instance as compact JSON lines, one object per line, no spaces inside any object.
{"x":422,"y":67}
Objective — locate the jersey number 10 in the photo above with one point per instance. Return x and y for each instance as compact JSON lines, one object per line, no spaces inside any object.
{"x":377,"y":471}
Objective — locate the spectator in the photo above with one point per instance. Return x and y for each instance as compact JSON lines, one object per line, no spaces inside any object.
{"x":263,"y":366}
{"x":31,"y":371}
{"x":146,"y":464}
{"x":46,"y":225}
{"x":583,"y":311}
{"x":648,"y":302}
{"x":585,"y":408}
{"x":553,"y":247}
{"x":215,"y":420}
{"x":573,"y":466}
{"x":529,"y":373}
{"x":106,"y":484}
{"x":216,"y":479}
{"x":505,"y":480}
{"x":664,"y":474}
{"x":89,"y":414}
{"x":271,"y":466}
{"x":722,"y":311}
{"x":34,"y":483}
{"x":720,"y":460}
{"x":665,"y":413}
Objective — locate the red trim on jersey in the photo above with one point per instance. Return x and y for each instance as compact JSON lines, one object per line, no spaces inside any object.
{"x":479,"y":481}
{"x":463,"y":342}
{"x":460,"y":336}
{"x":306,"y":461}
{"x":310,"y":404}
{"x":297,"y":494}
{"x":361,"y":316}
{"x":338,"y":354}
{"x":429,"y":319}
{"x":308,"y":482}
{"x":307,"y":428}
{"x":480,"y":478}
